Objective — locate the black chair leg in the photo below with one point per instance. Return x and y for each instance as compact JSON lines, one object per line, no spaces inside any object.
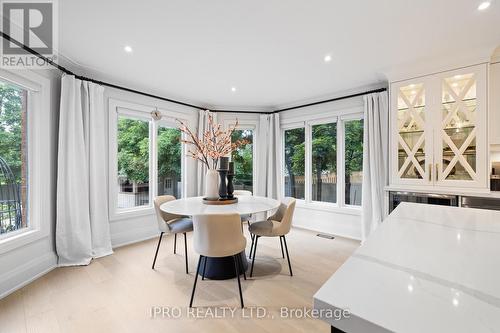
{"x":186,"y":252}
{"x":251,"y":247}
{"x":157,"y":248}
{"x":254,"y":253}
{"x":281,"y":244}
{"x":240,"y":262}
{"x":175,"y":243}
{"x":236,"y":269}
{"x":287,"y":256}
{"x":195,"y":280}
{"x":204,"y":267}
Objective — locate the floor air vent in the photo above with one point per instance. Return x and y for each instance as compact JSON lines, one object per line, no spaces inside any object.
{"x":325,"y":236}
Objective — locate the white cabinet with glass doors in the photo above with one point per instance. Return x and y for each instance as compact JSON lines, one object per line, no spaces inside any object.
{"x":439,"y":132}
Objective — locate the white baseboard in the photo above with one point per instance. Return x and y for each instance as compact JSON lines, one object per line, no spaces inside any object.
{"x":137,"y":240}
{"x":130,"y":236}
{"x":26,"y":273}
{"x":29,"y":271}
{"x":326,"y":233}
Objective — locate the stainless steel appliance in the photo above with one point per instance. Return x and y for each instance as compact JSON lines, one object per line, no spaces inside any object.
{"x":395,"y":198}
{"x":483,"y":203}
{"x":495,"y":182}
{"x":495,"y":177}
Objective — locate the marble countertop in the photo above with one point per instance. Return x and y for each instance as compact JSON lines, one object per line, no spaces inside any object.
{"x":427,"y":268}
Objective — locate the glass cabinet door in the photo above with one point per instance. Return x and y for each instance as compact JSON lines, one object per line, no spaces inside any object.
{"x":411,"y":132}
{"x":458,"y":128}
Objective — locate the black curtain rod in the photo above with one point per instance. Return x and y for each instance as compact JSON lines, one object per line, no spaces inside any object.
{"x":242,"y":111}
{"x":332,"y":99}
{"x":67,"y":71}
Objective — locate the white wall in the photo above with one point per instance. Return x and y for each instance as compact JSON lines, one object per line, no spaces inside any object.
{"x":23,"y":264}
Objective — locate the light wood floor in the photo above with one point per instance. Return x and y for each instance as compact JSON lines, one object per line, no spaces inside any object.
{"x":116,"y":293}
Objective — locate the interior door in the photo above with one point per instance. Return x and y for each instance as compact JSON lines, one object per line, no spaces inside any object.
{"x":460,"y":128}
{"x":411,"y":142}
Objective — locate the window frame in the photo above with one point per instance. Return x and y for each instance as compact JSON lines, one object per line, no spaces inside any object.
{"x":247,"y":124}
{"x":39,"y":141}
{"x":140,"y":112}
{"x":340,"y":119}
{"x":284,"y":128}
{"x":167,"y":122}
{"x":351,"y":117}
{"x":309,"y":125}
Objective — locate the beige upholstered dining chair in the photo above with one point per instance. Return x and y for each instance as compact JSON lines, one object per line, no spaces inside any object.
{"x":277,"y":225}
{"x":246,"y":217}
{"x":171,"y":224}
{"x":218,"y":235}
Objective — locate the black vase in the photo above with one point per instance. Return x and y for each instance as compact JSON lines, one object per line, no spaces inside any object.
{"x":230,"y":187}
{"x":222,"y":184}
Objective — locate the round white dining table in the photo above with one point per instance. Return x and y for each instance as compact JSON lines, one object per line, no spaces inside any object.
{"x":220,"y":268}
{"x":247,"y":204}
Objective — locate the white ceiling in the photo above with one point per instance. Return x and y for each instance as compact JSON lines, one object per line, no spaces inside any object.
{"x":272,"y":51}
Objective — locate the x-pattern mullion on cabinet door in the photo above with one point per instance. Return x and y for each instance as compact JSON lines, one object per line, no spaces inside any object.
{"x":413,"y":116}
{"x":459,"y":154}
{"x":459,"y":104}
{"x":452,"y":112}
{"x":411,"y":110}
{"x":411,"y":156}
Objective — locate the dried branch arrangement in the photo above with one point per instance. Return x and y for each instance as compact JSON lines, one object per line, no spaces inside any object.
{"x":214,"y":143}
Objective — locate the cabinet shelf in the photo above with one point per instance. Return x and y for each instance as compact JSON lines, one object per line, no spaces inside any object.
{"x":459,"y":127}
{"x":446,"y":153}
{"x":414,"y":108}
{"x":411,"y":132}
{"x":417,"y":107}
{"x":464,"y":100}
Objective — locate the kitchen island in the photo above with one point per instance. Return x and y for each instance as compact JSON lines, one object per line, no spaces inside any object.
{"x":426,"y":269}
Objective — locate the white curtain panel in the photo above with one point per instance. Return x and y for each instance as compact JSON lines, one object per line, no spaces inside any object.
{"x":201,"y":168}
{"x":375,"y":160}
{"x":269,"y":161}
{"x":82,"y":225}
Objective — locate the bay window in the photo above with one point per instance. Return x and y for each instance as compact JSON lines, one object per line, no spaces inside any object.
{"x":323,"y":161}
{"x":13,"y":158}
{"x":169,"y":160}
{"x":133,"y":162}
{"x":353,"y":160}
{"x":148,"y":158}
{"x":26,"y":182}
{"x":294,"y":155}
{"x":243,"y":160}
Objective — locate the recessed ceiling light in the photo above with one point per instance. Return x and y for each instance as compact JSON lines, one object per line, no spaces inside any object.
{"x":233,"y":89}
{"x":128,"y":49}
{"x":483,"y":5}
{"x":327,"y":58}
{"x":454,"y":84}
